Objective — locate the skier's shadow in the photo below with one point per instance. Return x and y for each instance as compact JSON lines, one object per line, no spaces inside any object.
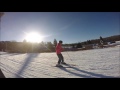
{"x":28,"y":59}
{"x":89,"y":74}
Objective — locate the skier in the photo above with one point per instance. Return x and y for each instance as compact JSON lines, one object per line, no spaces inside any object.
{"x":101,"y":41}
{"x":59,"y":49}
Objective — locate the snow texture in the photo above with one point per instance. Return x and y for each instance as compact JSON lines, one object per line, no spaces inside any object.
{"x":95,"y":63}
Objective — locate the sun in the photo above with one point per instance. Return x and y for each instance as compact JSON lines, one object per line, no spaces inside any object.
{"x":33,"y":37}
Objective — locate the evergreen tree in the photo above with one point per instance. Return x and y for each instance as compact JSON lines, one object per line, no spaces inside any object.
{"x":24,"y":40}
{"x":55,"y":42}
{"x":101,"y":38}
{"x":79,"y":45}
{"x":50,"y":47}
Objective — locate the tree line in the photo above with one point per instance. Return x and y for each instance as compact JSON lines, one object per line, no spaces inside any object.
{"x":28,"y":47}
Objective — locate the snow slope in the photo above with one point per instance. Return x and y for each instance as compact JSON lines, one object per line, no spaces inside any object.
{"x":96,"y":63}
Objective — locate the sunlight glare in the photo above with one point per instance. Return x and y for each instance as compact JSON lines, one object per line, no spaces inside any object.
{"x":33,"y":37}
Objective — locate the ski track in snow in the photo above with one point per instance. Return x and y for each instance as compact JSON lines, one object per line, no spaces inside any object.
{"x":95,"y":63}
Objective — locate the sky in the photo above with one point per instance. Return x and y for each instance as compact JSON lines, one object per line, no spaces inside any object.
{"x":70,"y":27}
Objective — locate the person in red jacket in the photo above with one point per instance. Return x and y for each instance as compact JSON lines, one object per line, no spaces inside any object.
{"x":59,"y":49}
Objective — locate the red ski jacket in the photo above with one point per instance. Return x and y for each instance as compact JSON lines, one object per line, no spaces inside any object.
{"x":59,"y":48}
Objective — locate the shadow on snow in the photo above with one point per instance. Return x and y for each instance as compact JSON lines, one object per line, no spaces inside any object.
{"x":89,"y":74}
{"x":28,"y":60}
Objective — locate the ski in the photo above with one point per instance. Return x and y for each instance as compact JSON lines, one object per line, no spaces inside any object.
{"x":63,"y":66}
{"x":69,"y":64}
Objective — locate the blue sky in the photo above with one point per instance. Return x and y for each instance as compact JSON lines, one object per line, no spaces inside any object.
{"x":71,"y":27}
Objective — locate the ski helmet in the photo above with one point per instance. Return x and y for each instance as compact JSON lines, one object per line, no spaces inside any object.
{"x":60,"y":41}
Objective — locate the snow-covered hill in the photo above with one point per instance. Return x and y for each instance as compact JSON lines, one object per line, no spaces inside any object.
{"x":96,"y":63}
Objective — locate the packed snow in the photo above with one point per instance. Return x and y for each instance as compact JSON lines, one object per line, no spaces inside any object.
{"x":94,"y":63}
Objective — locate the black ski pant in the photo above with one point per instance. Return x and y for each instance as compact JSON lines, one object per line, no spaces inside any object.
{"x":61,"y":58}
